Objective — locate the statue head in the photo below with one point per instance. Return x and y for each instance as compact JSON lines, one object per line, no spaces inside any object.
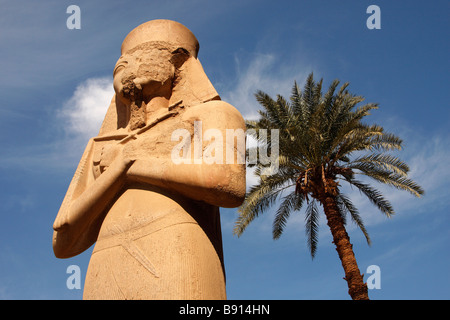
{"x":167,"y":31}
{"x":159,"y":59}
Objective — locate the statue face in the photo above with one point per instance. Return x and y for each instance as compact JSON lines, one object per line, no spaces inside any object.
{"x":143,"y":74}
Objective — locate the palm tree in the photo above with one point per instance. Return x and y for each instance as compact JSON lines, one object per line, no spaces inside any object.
{"x":323,"y":141}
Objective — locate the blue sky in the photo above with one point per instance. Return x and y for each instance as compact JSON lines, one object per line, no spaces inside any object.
{"x":245,"y":46}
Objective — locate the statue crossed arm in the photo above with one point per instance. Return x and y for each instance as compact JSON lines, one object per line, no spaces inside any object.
{"x":220,"y":185}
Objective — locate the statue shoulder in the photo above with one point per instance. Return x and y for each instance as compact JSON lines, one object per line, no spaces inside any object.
{"x":216,"y":111}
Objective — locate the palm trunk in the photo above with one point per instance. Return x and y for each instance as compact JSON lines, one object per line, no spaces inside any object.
{"x":356,"y":286}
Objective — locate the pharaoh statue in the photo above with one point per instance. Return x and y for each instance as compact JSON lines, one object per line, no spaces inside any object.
{"x":155,"y":222}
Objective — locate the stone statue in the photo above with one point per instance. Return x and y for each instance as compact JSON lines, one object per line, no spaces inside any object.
{"x":155,"y":221}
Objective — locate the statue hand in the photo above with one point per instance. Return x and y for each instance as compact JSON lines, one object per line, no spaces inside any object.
{"x":115,"y":153}
{"x":108,"y":155}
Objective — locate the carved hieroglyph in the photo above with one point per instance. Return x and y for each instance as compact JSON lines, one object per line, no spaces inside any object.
{"x":155,"y":223}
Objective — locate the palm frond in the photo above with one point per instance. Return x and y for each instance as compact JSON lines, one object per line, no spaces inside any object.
{"x":312,"y":227}
{"x":384,"y":142}
{"x":259,"y":198}
{"x":396,"y":180}
{"x":380,"y":160}
{"x":346,"y":205}
{"x":290,"y":203}
{"x":375,"y":197}
{"x":255,"y":203}
{"x":277,"y":111}
{"x":308,"y":93}
{"x":251,"y":124}
{"x":299,"y":107}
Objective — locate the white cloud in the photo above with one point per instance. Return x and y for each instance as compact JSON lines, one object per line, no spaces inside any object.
{"x":264,"y":72}
{"x":429,"y":162}
{"x":83,"y":113}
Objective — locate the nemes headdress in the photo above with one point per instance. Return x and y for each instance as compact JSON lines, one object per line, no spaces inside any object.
{"x":162,"y":30}
{"x":191,"y":86}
